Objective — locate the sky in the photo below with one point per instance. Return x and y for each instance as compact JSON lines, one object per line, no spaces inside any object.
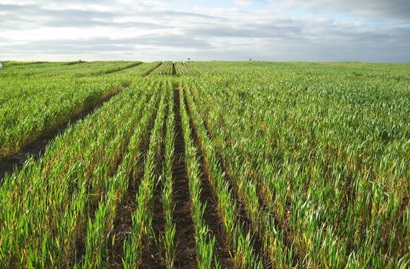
{"x":268,"y":30}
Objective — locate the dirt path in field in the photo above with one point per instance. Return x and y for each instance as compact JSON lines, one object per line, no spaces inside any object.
{"x":174,"y":71}
{"x":117,"y":70}
{"x":37,"y":148}
{"x":151,"y":70}
{"x":185,"y":233}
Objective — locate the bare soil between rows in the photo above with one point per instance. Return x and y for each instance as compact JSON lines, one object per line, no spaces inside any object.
{"x":185,"y":232}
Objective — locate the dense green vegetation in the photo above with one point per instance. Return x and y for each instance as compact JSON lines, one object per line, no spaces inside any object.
{"x":38,"y":98}
{"x":285,"y":165}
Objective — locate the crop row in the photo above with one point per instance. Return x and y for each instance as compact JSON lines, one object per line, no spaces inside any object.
{"x":238,"y":241}
{"x":58,"y":210}
{"x":77,"y":69}
{"x":175,"y":69}
{"x":46,"y":103}
{"x":323,"y":181}
{"x":212,"y":165}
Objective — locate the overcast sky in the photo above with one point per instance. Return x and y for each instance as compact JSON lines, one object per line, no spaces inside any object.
{"x":277,"y":30}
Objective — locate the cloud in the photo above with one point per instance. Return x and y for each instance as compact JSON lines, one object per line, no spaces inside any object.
{"x":396,"y":9}
{"x":243,"y":2}
{"x":317,"y":30}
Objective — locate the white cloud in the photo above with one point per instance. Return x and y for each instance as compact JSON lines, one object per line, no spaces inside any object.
{"x":244,"y":2}
{"x":152,"y":30}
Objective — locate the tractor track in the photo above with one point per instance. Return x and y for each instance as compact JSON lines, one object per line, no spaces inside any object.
{"x":36,"y":148}
{"x":185,"y":232}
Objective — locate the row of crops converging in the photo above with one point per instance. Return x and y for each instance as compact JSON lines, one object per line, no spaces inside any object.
{"x":206,"y":165}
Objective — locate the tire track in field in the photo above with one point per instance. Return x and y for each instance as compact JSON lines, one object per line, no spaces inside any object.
{"x":182,"y":215}
{"x":105,"y":72}
{"x":174,"y":71}
{"x":152,"y":69}
{"x":36,"y":148}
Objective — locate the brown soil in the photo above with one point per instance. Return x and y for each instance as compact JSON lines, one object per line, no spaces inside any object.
{"x":185,"y":233}
{"x":174,"y":71}
{"x":35,"y":149}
